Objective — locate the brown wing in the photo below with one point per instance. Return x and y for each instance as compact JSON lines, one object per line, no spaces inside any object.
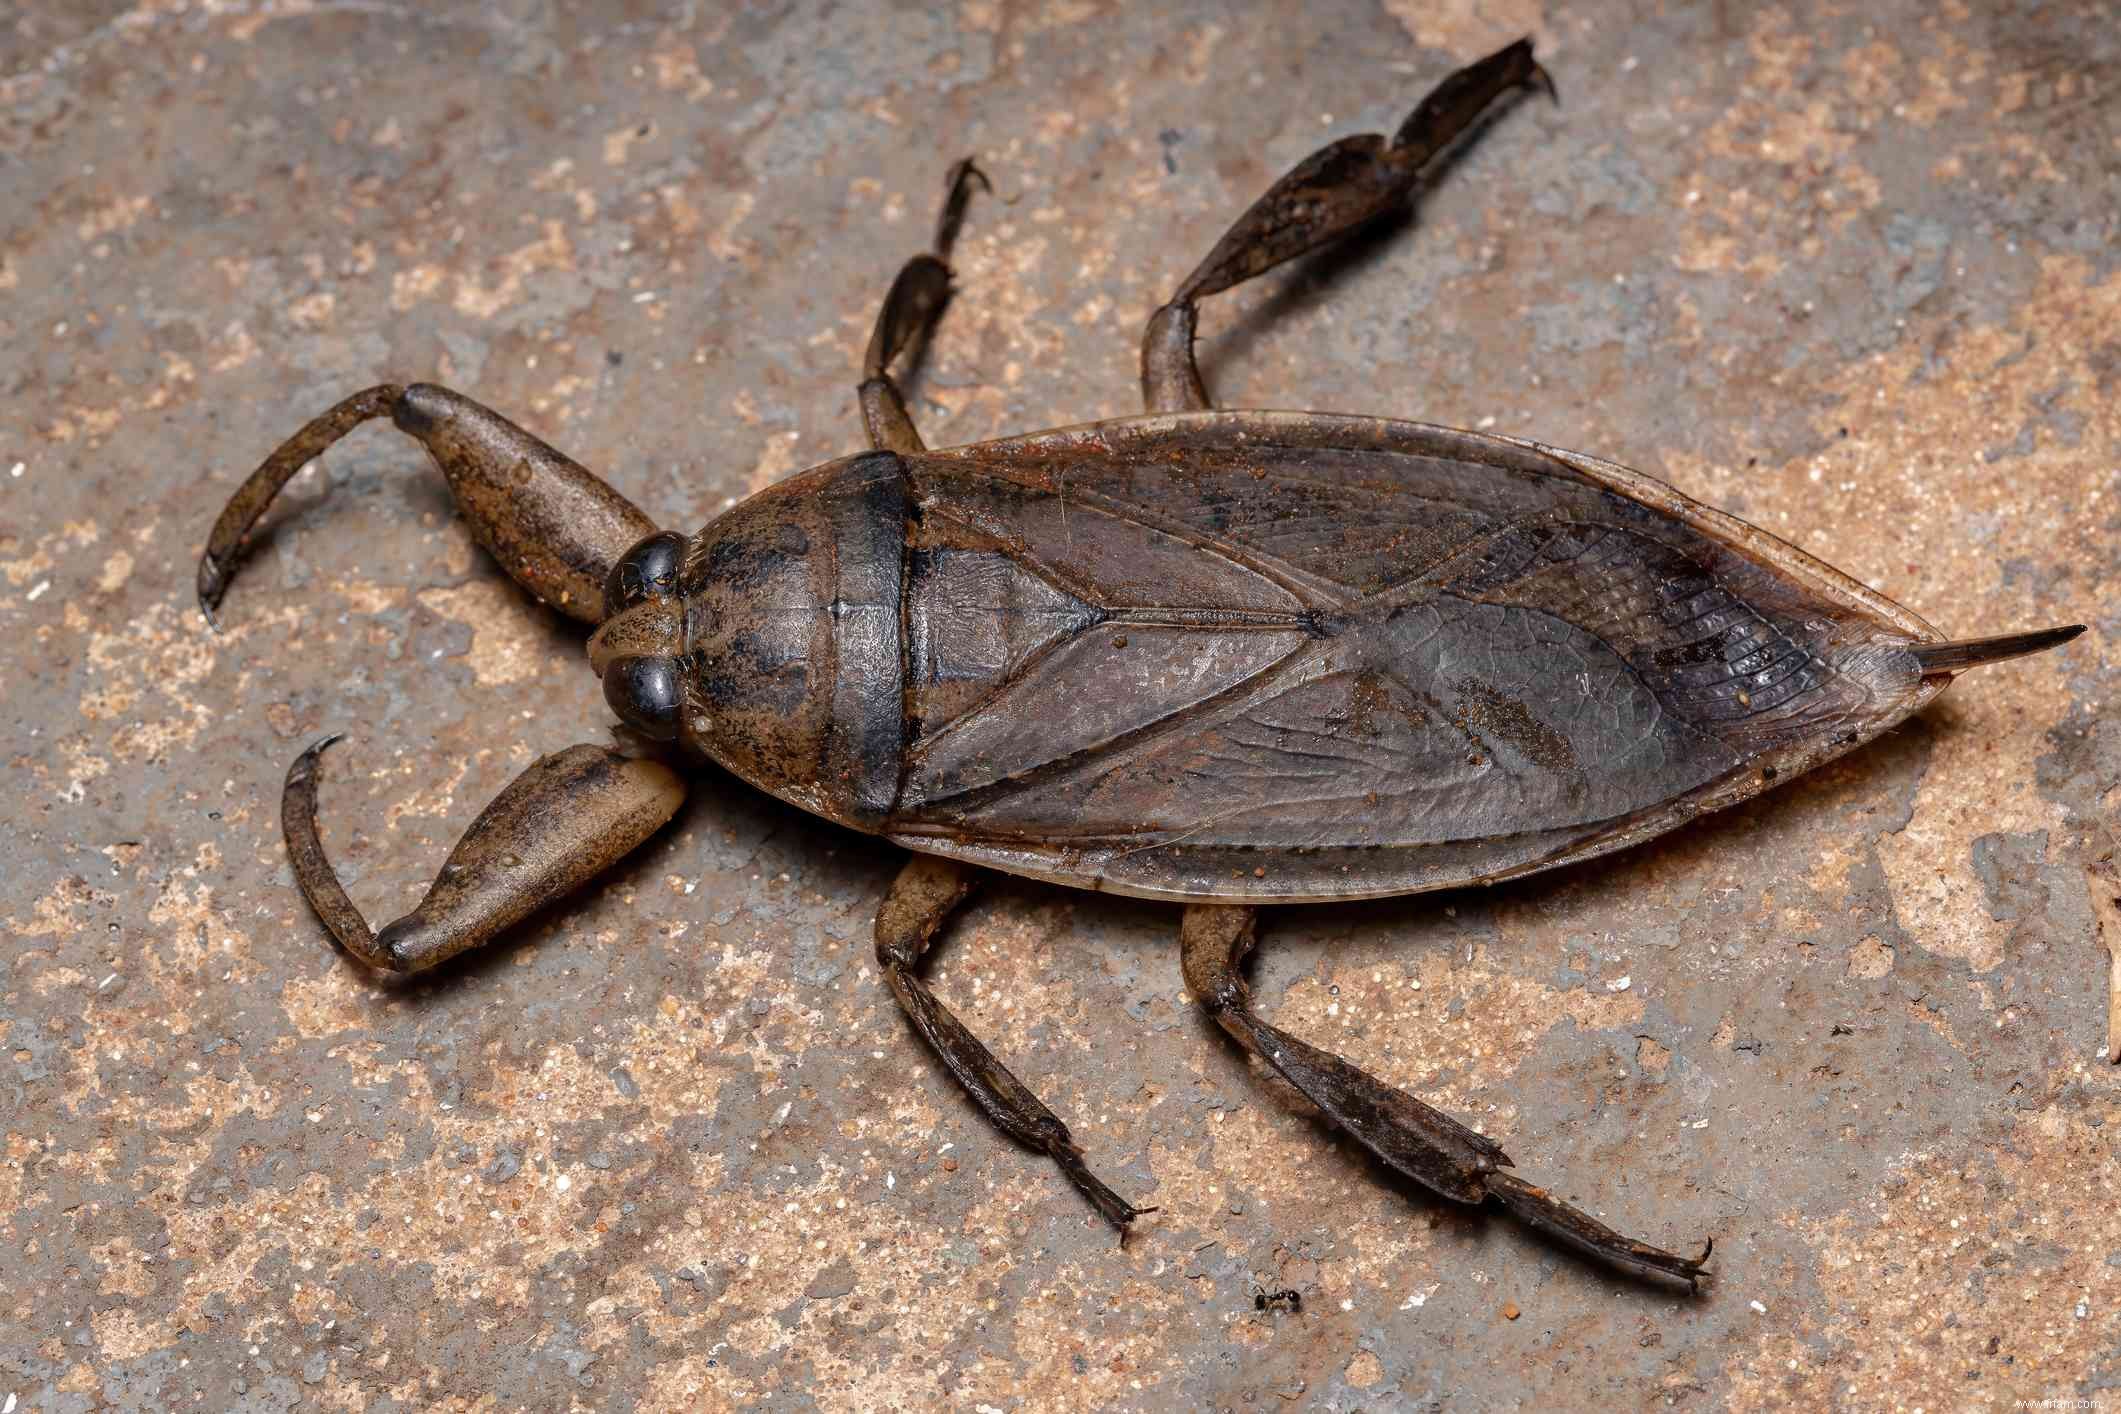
{"x":1285,"y":655}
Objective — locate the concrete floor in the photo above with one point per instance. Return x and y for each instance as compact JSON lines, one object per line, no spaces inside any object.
{"x":1848,"y":270}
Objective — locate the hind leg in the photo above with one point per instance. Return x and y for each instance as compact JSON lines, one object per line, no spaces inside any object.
{"x":1324,"y":197}
{"x":1419,"y":1141}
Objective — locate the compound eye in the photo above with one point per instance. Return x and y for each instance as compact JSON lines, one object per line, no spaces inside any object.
{"x":646,"y":692}
{"x":650,"y":567}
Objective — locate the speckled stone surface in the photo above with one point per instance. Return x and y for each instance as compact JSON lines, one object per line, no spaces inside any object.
{"x":1848,"y":270}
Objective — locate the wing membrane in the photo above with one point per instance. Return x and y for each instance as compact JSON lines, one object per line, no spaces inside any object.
{"x":1404,"y":656}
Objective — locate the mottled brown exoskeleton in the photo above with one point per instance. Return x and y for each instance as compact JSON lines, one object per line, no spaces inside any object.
{"x":1222,"y":658}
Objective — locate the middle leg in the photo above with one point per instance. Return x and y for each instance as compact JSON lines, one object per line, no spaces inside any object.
{"x":925,"y":893}
{"x":910,"y":310}
{"x":1421,"y":1142}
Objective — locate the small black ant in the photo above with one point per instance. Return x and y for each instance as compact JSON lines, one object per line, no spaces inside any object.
{"x":1286,"y":1299}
